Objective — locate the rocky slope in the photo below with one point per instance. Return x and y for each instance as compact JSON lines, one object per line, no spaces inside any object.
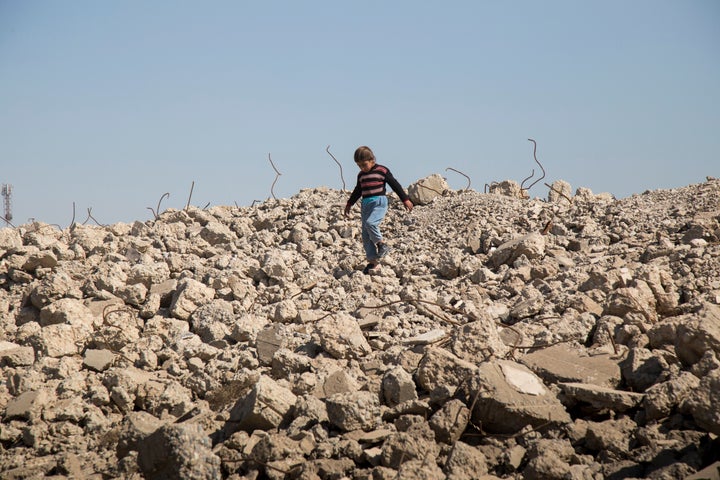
{"x":573,"y":337}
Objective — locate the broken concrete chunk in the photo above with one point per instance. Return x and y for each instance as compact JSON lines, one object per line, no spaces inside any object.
{"x":14,"y":355}
{"x":563,"y":363}
{"x":178,"y":451}
{"x":426,"y":338}
{"x":27,"y":405}
{"x":353,"y":411}
{"x":531,"y":245}
{"x":450,"y":421}
{"x":478,"y":341}
{"x":189,"y":296}
{"x":509,"y":397}
{"x":602,"y":398}
{"x":441,"y":369}
{"x":341,"y":336}
{"x":98,"y":360}
{"x":702,"y":402}
{"x":265,"y":406}
{"x":425,"y":190}
{"x":698,"y":333}
{"x":398,"y":386}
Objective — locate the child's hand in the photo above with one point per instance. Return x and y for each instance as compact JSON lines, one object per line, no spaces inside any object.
{"x":408,"y":205}
{"x":347,"y":211}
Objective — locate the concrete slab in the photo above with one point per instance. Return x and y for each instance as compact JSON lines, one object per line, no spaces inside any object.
{"x":508,"y":397}
{"x":563,"y":363}
{"x":426,"y":338}
{"x":602,"y":398}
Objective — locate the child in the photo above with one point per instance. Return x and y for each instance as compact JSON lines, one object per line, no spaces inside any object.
{"x":371,"y":186}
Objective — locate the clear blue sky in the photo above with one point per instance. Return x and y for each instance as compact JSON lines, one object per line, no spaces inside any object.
{"x":110,"y":104}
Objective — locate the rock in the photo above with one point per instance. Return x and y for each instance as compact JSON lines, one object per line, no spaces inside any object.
{"x":135,"y":428}
{"x":465,"y":461}
{"x":450,"y":421}
{"x":398,"y":387}
{"x":341,"y":337}
{"x":611,"y":435}
{"x":662,"y":398}
{"x":426,"y":338}
{"x":548,"y":459}
{"x":180,"y":451}
{"x":601,"y":398}
{"x":98,"y":360}
{"x":508,"y":396}
{"x":440,"y":368}
{"x":702,"y":402}
{"x":560,"y":192}
{"x":478,"y":341}
{"x":711,"y":472}
{"x":698,"y":333}
{"x":27,"y":405}
{"x":424,"y":191}
{"x":508,"y":188}
{"x":415,"y":442}
{"x":265,"y":406}
{"x":189,"y":296}
{"x":562,"y":363}
{"x":353,"y":411}
{"x":531,"y":245}
{"x":642,"y":368}
{"x":211,"y":322}
{"x":14,"y":355}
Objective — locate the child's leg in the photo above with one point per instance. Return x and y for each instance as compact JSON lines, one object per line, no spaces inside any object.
{"x":372,"y":213}
{"x":368,"y":245}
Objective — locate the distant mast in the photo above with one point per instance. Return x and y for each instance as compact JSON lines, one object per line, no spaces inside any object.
{"x":7,"y":193}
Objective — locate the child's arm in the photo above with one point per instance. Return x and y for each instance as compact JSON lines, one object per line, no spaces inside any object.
{"x":397,"y":188}
{"x":354,"y":197}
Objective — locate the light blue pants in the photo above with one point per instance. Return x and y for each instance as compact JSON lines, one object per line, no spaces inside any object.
{"x":372,"y":212}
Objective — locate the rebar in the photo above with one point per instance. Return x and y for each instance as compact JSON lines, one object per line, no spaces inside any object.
{"x":458,"y":171}
{"x":536,"y":161}
{"x":190,"y":196}
{"x":276,"y":177}
{"x":339,"y":165}
{"x":156,"y":213}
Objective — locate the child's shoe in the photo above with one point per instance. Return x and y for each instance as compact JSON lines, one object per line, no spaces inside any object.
{"x":382,"y":249}
{"x":371,"y":268}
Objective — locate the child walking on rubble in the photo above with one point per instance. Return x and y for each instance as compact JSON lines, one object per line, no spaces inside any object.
{"x":371,"y":182}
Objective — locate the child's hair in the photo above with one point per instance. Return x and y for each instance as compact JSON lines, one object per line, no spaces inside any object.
{"x":363,"y":154}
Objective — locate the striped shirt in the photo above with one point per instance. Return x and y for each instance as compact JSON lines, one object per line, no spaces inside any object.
{"x":372,"y":184}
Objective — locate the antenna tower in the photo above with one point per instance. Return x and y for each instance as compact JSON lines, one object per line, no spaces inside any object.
{"x":6,"y":192}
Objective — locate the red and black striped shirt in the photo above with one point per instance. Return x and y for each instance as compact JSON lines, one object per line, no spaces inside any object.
{"x":372,"y":184}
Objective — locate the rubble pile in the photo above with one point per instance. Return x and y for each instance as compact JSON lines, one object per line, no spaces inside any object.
{"x":572,"y":337}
